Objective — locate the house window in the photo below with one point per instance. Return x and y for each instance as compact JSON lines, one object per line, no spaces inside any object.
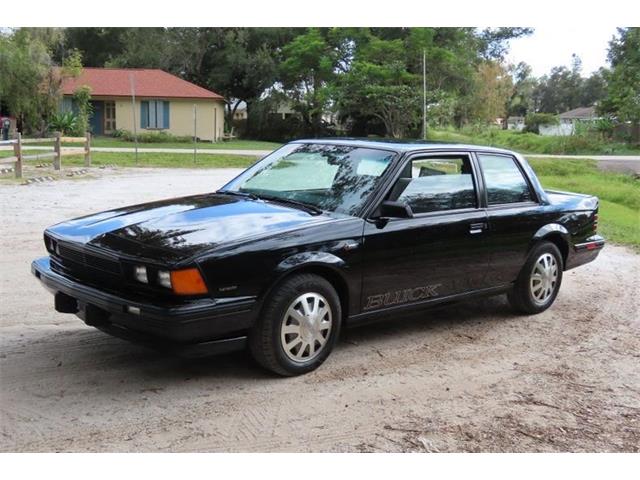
{"x":154,"y":114}
{"x":109,"y":117}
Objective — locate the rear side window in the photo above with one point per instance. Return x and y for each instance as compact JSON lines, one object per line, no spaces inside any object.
{"x":504,"y":181}
{"x":436,"y":184}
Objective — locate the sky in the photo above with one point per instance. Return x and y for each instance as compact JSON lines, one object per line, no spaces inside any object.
{"x":551,"y":46}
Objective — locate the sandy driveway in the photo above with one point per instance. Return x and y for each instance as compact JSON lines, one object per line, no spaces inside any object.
{"x":471,"y":377}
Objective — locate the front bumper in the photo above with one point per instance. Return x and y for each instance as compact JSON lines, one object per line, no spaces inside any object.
{"x":198,"y":328}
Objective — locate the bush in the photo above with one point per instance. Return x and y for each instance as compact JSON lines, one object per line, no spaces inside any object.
{"x":151,"y":137}
{"x":64,"y":122}
{"x":533,"y":121}
{"x":527,"y":142}
{"x":82,"y":98}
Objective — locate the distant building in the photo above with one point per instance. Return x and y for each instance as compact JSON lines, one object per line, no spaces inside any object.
{"x":515,"y":123}
{"x":569,"y":120}
{"x":163,"y":102}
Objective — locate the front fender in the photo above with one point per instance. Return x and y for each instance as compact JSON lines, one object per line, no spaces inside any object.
{"x":305,"y":259}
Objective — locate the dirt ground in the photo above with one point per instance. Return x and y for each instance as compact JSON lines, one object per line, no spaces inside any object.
{"x":470,"y":377}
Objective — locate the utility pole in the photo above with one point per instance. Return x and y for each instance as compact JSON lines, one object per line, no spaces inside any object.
{"x":195,"y":132}
{"x":133,"y":110}
{"x":424,"y":94}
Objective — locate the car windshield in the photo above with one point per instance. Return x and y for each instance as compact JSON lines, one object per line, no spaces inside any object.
{"x":337,"y":178}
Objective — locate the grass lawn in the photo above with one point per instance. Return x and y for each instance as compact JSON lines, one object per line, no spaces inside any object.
{"x":168,"y":160}
{"x":118,"y":143}
{"x":619,"y":194}
{"x":230,"y":145}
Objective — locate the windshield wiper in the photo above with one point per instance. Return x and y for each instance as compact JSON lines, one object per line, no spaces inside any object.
{"x":236,"y":193}
{"x":296,"y":203}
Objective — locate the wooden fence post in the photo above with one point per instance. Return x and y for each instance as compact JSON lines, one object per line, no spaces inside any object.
{"x":57,"y":159}
{"x":17,"y":150}
{"x":87,"y":150}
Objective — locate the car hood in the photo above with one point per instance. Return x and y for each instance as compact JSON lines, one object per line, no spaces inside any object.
{"x":179,"y":228}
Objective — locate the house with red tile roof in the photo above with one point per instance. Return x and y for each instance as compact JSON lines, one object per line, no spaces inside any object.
{"x":163,"y":102}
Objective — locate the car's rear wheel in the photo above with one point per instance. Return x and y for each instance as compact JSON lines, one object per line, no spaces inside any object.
{"x":538,"y":284}
{"x":298,"y":327}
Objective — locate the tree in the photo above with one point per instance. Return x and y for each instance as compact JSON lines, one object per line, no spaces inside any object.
{"x":493,"y":88}
{"x":378,"y":84}
{"x":623,"y":92}
{"x":239,"y":63}
{"x":522,"y":100}
{"x":560,"y":90}
{"x":242,"y":64}
{"x":308,"y":68}
{"x":594,"y":88}
{"x":494,"y":41}
{"x":97,"y":45}
{"x":28,"y":86}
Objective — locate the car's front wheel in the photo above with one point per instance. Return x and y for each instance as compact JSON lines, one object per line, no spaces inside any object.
{"x":298,"y":326}
{"x":539,"y":281}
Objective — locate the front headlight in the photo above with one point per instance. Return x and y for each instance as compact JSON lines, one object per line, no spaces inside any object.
{"x":164,"y":278}
{"x":140,"y":274}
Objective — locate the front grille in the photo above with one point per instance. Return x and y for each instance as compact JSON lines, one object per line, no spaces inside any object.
{"x":88,"y":259}
{"x":82,"y":264}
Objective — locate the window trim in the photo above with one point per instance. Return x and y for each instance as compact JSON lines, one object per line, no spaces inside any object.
{"x":532,"y":191}
{"x":412,"y":156}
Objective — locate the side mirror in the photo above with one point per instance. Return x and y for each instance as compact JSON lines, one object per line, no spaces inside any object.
{"x":391,"y":209}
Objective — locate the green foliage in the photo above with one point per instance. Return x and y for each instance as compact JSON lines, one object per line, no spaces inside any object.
{"x":72,"y":64}
{"x":492,"y":90}
{"x":28,"y":88}
{"x":64,"y":122}
{"x":534,"y":121}
{"x":379,"y":85}
{"x":97,"y":45}
{"x":151,"y":137}
{"x":82,"y":99}
{"x":308,"y":67}
{"x":232,"y":144}
{"x":623,"y":93}
{"x":521,"y":101}
{"x":530,"y":142}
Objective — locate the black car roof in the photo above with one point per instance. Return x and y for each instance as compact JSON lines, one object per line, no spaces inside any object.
{"x":400,"y":145}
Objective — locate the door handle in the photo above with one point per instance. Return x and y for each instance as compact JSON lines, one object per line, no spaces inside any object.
{"x":476,"y":228}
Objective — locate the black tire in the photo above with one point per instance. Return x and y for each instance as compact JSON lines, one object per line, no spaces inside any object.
{"x":521,"y":297}
{"x":265,"y":337}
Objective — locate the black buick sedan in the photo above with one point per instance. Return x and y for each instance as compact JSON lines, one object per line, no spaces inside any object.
{"x":319,"y":235}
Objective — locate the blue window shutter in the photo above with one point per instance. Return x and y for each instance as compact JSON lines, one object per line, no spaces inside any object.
{"x":144,"y":114}
{"x":165,"y":116}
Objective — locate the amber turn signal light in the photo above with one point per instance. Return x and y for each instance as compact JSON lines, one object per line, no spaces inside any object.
{"x":188,"y":282}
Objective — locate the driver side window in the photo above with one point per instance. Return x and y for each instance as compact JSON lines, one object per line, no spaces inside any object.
{"x":436,"y":184}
